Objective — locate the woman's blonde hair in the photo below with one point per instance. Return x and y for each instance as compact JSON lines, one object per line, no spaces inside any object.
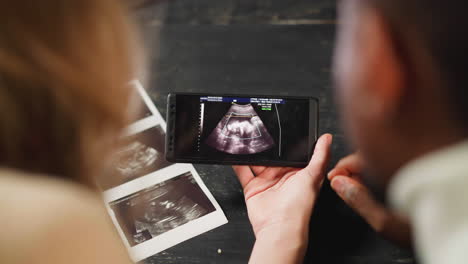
{"x":64,"y":72}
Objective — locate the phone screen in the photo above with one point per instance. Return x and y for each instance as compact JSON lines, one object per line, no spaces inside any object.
{"x":242,"y":130}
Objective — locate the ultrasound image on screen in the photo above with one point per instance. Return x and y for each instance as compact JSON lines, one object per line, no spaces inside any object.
{"x":240,"y":131}
{"x":242,"y":128}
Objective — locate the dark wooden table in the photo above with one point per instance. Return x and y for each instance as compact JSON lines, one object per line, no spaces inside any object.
{"x":255,"y":59}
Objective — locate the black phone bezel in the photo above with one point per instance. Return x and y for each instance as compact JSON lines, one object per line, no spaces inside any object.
{"x":171,"y":121}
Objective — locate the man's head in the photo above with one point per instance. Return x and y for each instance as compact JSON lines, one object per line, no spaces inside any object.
{"x":399,"y":72}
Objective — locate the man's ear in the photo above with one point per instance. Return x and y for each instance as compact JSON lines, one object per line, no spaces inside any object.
{"x":386,"y":81}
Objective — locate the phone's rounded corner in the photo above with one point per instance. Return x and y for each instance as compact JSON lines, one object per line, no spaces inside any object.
{"x":170,"y":158}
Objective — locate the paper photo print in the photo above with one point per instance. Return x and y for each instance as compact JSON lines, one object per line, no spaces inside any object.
{"x":142,"y":109}
{"x":160,"y":208}
{"x":155,"y":204}
{"x":139,"y":105}
{"x":138,"y":155}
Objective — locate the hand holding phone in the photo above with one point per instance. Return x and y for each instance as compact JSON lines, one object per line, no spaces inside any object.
{"x":280,"y":203}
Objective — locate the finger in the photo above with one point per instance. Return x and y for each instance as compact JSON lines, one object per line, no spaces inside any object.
{"x":352,"y":163}
{"x":321,"y":155}
{"x":358,"y":197}
{"x":257,"y":170}
{"x":349,"y":165}
{"x":244,"y":174}
{"x":338,"y":172}
{"x":391,"y":226}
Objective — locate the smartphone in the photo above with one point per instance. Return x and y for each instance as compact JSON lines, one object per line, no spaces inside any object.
{"x":241,"y":130}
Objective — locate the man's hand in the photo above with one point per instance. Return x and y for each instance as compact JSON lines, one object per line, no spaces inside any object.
{"x":346,"y":181}
{"x":280,"y":202}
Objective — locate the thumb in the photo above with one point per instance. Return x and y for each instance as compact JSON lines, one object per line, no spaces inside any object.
{"x":358,"y":197}
{"x":321,"y":155}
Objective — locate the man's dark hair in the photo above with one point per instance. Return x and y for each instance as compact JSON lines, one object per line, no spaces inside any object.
{"x":442,"y":28}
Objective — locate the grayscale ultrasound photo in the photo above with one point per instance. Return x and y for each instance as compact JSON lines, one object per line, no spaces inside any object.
{"x":144,"y":111}
{"x":160,"y":208}
{"x":138,"y":155}
{"x":139,"y":110}
{"x":240,"y":131}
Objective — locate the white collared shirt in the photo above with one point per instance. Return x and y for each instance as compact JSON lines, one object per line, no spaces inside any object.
{"x":433,"y":192}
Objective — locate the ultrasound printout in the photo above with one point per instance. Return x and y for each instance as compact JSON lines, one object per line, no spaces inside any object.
{"x":160,"y":208}
{"x":153,"y":203}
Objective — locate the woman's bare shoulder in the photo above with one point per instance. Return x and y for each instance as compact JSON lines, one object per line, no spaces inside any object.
{"x":54,"y":221}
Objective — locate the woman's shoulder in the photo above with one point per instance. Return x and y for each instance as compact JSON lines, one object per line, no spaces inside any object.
{"x":40,"y":213}
{"x":30,"y":186}
{"x":37,"y":196}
